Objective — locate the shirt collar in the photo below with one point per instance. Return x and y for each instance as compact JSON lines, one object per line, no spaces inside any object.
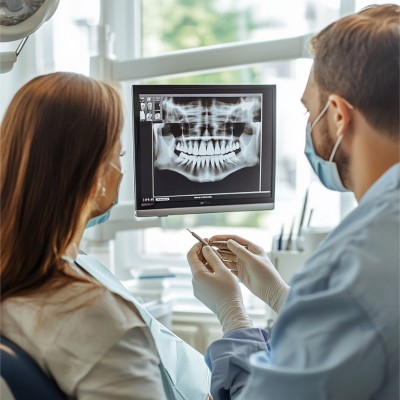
{"x":389,"y":181}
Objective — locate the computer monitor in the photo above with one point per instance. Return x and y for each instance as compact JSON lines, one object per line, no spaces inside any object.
{"x":203,"y":148}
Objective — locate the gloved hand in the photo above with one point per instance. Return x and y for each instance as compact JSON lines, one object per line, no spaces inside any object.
{"x":253,"y":268}
{"x":216,"y":287}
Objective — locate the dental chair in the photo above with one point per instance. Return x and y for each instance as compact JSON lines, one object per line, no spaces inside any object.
{"x":21,"y":376}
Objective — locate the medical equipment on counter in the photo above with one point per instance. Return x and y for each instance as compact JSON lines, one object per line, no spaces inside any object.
{"x":288,"y":260}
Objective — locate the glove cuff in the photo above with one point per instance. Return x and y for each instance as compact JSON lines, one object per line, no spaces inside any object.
{"x":232,"y":315}
{"x":277,"y":295}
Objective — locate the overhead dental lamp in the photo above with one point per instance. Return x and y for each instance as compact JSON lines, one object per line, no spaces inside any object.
{"x":19,"y":19}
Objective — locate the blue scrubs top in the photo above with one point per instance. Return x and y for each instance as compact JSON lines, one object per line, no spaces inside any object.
{"x":337,"y":334}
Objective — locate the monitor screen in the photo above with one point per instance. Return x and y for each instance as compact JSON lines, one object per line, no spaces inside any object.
{"x":203,"y":148}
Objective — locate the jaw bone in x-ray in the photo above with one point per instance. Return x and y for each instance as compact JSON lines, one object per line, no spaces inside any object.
{"x":207,"y":139}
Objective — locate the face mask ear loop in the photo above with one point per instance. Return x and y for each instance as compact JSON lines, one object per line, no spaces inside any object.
{"x":321,"y":114}
{"x":120,"y":170}
{"x":348,"y":104}
{"x":335,"y":147}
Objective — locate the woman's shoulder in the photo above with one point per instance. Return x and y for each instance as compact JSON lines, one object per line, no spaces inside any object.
{"x":95,"y":302}
{"x":94,"y":323}
{"x":78,"y":322}
{"x":80,"y":305}
{"x":69,"y":331}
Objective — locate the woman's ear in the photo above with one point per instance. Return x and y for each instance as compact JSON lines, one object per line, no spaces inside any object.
{"x":101,"y":182}
{"x":342,"y":113}
{"x":100,"y":188}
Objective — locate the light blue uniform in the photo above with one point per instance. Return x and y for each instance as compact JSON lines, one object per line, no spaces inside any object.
{"x":337,"y":335}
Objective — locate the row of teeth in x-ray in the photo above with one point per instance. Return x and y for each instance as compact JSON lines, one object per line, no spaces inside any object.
{"x":207,"y":148}
{"x":215,"y":161}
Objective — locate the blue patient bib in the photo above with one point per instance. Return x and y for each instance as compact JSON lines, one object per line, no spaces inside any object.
{"x":184,"y":372}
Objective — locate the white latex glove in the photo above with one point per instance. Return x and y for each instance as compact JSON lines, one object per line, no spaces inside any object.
{"x":254,"y":269}
{"x":218,"y":289}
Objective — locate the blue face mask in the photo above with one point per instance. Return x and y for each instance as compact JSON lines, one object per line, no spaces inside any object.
{"x":99,"y":219}
{"x":326,"y":171}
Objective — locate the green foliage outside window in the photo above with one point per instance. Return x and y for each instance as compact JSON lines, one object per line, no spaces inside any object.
{"x":173,"y":25}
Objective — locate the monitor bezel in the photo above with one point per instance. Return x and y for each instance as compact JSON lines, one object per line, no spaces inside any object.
{"x":199,"y":206}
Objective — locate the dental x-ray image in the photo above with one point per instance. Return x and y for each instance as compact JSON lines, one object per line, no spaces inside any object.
{"x":205,"y":147}
{"x":205,"y":139}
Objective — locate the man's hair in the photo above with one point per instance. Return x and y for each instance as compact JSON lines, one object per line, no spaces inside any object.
{"x":357,"y":57}
{"x":57,"y":133}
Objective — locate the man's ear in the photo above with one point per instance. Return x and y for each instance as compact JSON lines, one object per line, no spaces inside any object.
{"x":342,"y":113}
